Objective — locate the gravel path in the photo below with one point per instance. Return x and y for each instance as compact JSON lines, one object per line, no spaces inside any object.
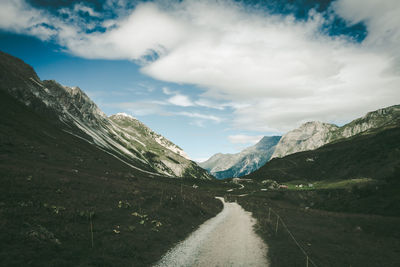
{"x":227,"y":239}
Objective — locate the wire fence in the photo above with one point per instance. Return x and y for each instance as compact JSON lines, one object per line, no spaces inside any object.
{"x":280,"y":220}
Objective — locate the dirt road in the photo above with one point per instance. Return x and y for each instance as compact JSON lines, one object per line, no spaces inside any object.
{"x":227,"y":239}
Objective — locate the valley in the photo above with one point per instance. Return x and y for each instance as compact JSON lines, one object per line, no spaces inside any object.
{"x":79,"y":188}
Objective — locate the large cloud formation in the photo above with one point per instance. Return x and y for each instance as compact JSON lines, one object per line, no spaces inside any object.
{"x":275,"y":70}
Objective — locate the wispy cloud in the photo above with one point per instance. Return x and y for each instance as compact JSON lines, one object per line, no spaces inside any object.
{"x":199,"y":116}
{"x":167,"y":91}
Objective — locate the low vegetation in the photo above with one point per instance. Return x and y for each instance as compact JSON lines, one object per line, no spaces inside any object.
{"x":63,"y":202}
{"x":328,"y":238}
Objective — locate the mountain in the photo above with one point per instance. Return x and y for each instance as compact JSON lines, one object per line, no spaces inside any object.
{"x":159,"y":151}
{"x":308,"y":136}
{"x":374,"y":155}
{"x":235,"y":165}
{"x":75,"y":113}
{"x":54,"y":185}
{"x":312,"y":135}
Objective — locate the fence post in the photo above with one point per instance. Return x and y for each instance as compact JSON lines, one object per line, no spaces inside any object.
{"x":269,"y":214}
{"x":183,"y":200}
{"x":91,"y":227}
{"x":277,"y":222}
{"x":307,"y":261}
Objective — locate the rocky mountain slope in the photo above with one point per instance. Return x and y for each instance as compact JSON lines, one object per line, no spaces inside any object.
{"x":374,"y":155}
{"x":312,"y":135}
{"x":235,"y":165}
{"x":75,"y":113}
{"x":159,"y":151}
{"x":308,"y":136}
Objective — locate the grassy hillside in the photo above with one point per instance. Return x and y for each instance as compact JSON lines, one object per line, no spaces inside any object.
{"x":58,"y":193}
{"x":376,"y":156}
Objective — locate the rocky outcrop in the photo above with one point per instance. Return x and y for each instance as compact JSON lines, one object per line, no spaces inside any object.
{"x":308,"y":136}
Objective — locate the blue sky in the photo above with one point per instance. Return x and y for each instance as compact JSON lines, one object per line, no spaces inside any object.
{"x":215,"y":76}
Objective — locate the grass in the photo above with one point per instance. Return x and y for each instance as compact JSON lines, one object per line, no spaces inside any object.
{"x":329,"y":184}
{"x":354,"y":222}
{"x":329,"y":238}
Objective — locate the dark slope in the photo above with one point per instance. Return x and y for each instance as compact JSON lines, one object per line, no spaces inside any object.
{"x":71,"y":110}
{"x":19,"y":80}
{"x":51,"y":181}
{"x":376,"y":155}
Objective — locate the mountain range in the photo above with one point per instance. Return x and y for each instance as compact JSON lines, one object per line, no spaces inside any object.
{"x":374,"y":155}
{"x":309,"y":136}
{"x":137,"y":146}
{"x":235,"y":165}
{"x":312,"y":135}
{"x":120,"y":135}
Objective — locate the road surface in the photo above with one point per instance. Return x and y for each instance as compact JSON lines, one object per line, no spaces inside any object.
{"x":228,"y":239}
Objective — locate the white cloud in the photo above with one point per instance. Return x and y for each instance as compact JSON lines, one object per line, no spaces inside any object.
{"x":382,"y":19}
{"x":167,"y":91}
{"x":85,"y":9}
{"x":18,"y":16}
{"x":274,"y":71}
{"x":180,"y":100}
{"x":244,"y":139}
{"x":177,"y":98}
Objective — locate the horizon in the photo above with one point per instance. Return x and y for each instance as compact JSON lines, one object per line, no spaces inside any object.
{"x":211,"y":83}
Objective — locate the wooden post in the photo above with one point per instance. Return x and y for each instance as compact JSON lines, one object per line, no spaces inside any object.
{"x":269,"y":214}
{"x":277,"y":222}
{"x":307,"y":261}
{"x":183,"y":201}
{"x":91,"y":226}
{"x":162,"y":193}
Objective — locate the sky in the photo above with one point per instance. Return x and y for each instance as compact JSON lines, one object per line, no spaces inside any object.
{"x":215,"y":76}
